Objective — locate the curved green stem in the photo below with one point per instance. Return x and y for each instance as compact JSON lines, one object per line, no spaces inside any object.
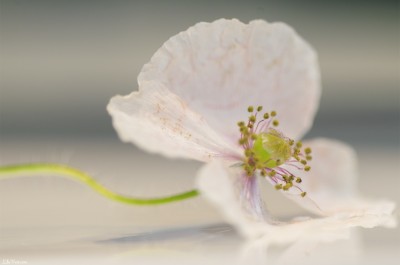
{"x":23,"y":169}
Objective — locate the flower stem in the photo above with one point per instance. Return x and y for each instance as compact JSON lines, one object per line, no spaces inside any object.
{"x":46,"y":168}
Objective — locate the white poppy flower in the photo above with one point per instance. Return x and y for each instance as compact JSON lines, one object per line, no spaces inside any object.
{"x":196,"y":89}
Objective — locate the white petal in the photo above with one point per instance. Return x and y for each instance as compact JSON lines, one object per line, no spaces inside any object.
{"x":331,"y":183}
{"x":221,"y":68}
{"x":219,"y":184}
{"x":215,"y":183}
{"x":330,"y":228}
{"x":159,"y":121}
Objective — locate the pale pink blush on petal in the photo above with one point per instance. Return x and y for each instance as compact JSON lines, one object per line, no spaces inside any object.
{"x":249,"y":192}
{"x":159,"y":121}
{"x":220,"y":188}
{"x":221,"y":68}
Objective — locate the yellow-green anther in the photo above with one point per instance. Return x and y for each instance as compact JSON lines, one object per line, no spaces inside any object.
{"x":259,"y":108}
{"x":250,"y":109}
{"x":248,"y":152}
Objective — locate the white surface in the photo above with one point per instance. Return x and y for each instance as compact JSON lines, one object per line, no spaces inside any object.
{"x":51,"y":220}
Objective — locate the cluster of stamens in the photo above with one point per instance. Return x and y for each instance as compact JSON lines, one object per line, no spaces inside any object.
{"x":266,"y":150}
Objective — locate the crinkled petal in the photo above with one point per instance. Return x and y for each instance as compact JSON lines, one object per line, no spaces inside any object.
{"x":161,"y":122}
{"x":215,"y":183}
{"x":221,"y":68}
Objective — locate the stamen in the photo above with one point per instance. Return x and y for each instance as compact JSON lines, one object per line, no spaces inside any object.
{"x":267,"y":149}
{"x":287,"y":186}
{"x":240,"y":123}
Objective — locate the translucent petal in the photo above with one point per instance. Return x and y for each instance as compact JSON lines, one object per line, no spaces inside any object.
{"x":221,"y":68}
{"x":224,"y":186}
{"x":331,"y":183}
{"x":215,"y":183}
{"x":330,"y":228}
{"x":159,"y":121}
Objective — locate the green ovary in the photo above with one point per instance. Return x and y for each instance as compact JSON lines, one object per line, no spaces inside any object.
{"x":271,"y":149}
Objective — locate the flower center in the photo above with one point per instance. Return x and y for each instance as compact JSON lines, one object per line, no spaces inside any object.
{"x":267,"y":150}
{"x":271,"y":149}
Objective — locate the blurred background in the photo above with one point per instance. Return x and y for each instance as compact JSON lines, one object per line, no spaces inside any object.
{"x":61,"y":62}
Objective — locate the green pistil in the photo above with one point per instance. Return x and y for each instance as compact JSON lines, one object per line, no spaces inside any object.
{"x":271,"y":149}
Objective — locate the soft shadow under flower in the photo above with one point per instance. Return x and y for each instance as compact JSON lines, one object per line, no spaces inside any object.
{"x":196,"y":89}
